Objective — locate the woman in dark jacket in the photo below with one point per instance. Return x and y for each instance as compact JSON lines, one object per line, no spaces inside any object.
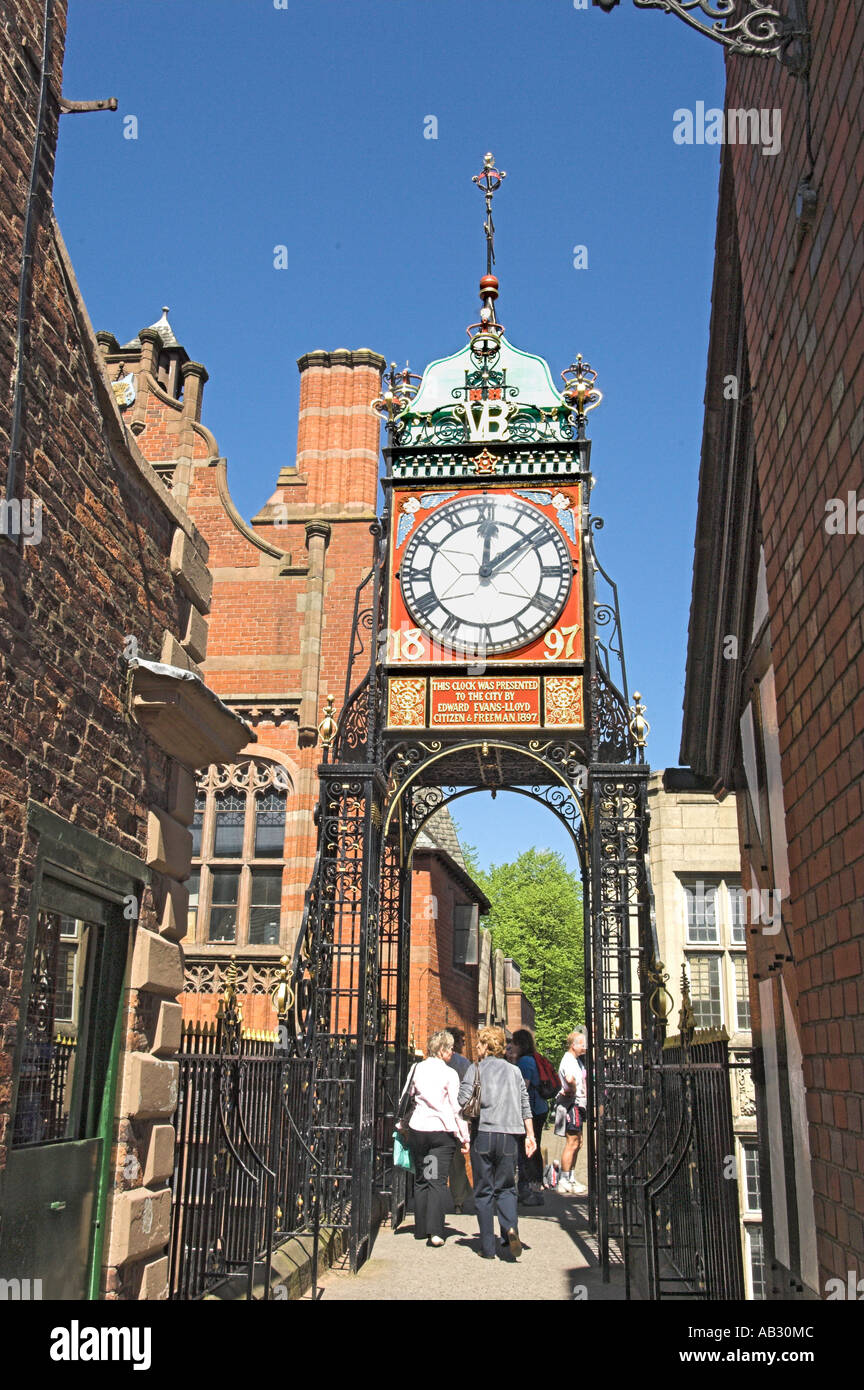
{"x":531,"y":1169}
{"x":505,"y":1115}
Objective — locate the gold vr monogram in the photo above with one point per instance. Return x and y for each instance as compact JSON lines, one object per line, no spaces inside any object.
{"x":486,"y":419}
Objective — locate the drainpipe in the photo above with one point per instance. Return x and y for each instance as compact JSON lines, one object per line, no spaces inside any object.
{"x":32,"y":213}
{"x":33,"y":210}
{"x":317,"y":536}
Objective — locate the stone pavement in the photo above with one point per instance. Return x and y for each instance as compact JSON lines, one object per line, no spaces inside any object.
{"x":558,"y":1262}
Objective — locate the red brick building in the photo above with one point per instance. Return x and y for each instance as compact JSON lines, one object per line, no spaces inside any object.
{"x":774,"y":706}
{"x":103,"y":591}
{"x":279,"y":639}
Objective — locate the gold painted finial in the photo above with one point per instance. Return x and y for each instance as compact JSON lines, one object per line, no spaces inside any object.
{"x":283,"y":995}
{"x":328,"y":728}
{"x":639,"y":726}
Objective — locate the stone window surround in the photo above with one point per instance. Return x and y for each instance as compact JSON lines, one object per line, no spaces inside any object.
{"x":723,"y":882}
{"x":248,"y":777}
{"x":726,"y":957}
{"x":748,"y":1147}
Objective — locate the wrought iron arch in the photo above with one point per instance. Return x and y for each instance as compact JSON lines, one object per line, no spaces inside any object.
{"x":542,"y":796}
{"x":409,"y":761}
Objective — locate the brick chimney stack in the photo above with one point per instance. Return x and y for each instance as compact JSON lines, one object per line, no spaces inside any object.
{"x":338,"y":432}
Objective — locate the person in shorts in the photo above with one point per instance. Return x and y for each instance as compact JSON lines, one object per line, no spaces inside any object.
{"x":571,"y":1108}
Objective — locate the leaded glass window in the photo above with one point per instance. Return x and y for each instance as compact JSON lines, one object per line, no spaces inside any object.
{"x":264,"y":907}
{"x":198,"y":824}
{"x":230,"y":823}
{"x":238,"y":837}
{"x":738,"y":914}
{"x":701,"y":901}
{"x":757,"y":1261}
{"x":269,"y":824}
{"x":751,"y":1177}
{"x":705,"y":990}
{"x":742,"y":993}
{"x":223,"y":904}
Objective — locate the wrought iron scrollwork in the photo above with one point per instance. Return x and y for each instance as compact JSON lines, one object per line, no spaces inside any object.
{"x":606,"y":615}
{"x":761,"y":30}
{"x":611,"y":737}
{"x":355,"y":734}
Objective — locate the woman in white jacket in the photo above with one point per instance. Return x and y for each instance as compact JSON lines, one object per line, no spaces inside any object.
{"x":436,"y":1131}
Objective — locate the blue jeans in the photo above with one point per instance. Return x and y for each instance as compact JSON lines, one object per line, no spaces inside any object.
{"x":493,"y":1162}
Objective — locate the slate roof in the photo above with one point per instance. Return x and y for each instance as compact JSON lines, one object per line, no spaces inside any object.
{"x":439,"y":832}
{"x":163,"y":328}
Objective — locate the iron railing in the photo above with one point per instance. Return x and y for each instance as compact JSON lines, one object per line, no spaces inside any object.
{"x":241,"y":1170}
{"x":679,"y":1179}
{"x":264,"y":1140}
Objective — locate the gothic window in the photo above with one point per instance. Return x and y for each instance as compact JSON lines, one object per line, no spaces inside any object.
{"x":229,"y":818}
{"x":238,"y":849}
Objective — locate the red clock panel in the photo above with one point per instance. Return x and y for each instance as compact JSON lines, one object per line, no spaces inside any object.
{"x":486,"y":575}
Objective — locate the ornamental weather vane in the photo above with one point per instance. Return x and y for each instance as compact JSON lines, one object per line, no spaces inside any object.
{"x":489,"y":181}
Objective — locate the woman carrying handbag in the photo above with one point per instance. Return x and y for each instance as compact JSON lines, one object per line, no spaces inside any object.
{"x":494,"y":1095}
{"x":435,"y":1130}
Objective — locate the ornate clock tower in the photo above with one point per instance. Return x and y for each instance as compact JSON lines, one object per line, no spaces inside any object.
{"x":486,"y":486}
{"x":478,"y":627}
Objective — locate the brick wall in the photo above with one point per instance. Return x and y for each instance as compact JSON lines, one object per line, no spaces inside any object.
{"x":284,"y":584}
{"x":100,"y":572}
{"x":804,"y":312}
{"x":441,"y":993}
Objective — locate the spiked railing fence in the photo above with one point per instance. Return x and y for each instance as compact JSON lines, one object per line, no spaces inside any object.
{"x":241,"y":1171}
{"x":681,"y":1176}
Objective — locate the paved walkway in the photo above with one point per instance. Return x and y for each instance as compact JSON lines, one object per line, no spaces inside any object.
{"x":558,"y":1262}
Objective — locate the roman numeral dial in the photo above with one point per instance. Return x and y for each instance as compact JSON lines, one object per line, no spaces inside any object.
{"x":486,"y":572}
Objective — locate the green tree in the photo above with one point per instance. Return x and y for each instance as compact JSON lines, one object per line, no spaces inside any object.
{"x":536,"y":918}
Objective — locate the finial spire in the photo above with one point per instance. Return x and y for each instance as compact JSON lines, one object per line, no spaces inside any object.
{"x":489,"y":181}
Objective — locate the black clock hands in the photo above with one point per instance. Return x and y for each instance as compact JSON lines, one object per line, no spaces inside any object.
{"x":489,"y":567}
{"x":488,"y":529}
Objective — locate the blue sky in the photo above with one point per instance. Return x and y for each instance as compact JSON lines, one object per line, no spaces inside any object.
{"x":304,"y":127}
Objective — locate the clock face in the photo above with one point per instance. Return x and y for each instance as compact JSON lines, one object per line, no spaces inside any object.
{"x":486,"y":572}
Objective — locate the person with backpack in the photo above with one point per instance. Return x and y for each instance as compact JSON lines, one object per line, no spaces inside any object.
{"x":531,"y":1169}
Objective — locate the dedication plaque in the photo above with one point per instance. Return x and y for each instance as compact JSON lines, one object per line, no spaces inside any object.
{"x":501,"y":702}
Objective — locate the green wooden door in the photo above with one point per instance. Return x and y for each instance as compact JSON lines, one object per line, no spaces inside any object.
{"x":54,"y":1183}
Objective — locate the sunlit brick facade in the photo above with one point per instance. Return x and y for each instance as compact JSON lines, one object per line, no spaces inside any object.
{"x":774,"y":707}
{"x":278,"y":641}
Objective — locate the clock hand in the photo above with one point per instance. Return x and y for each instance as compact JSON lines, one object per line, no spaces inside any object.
{"x":488,"y":529}
{"x":489,"y":569}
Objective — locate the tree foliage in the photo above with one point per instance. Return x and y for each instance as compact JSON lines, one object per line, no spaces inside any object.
{"x":536,"y":918}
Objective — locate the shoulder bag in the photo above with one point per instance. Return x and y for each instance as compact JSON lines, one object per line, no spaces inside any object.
{"x":406,"y":1107}
{"x":471,"y":1109}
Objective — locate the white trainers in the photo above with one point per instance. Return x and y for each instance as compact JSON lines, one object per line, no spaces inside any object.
{"x":564,"y":1184}
{"x":578,"y":1189}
